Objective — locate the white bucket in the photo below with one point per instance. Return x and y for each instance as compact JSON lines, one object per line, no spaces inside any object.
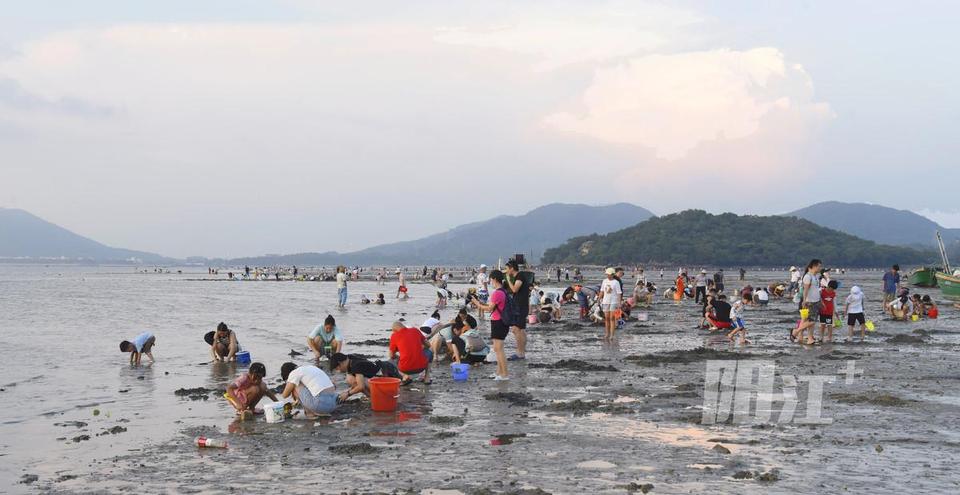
{"x":273,"y":412}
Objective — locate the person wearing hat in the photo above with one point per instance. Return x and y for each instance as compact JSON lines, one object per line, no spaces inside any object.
{"x":612,"y":297}
{"x":700,"y":281}
{"x":483,"y":289}
{"x":325,"y":339}
{"x":794,"y":280}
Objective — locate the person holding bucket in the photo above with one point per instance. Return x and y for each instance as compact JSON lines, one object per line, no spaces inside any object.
{"x":311,"y":387}
{"x":358,"y":371}
{"x":223,"y":343}
{"x":498,"y":329}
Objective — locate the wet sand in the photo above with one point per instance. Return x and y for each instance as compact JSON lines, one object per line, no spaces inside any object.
{"x":579,"y":415}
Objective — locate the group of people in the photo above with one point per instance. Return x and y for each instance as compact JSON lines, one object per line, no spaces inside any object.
{"x":508,"y":298}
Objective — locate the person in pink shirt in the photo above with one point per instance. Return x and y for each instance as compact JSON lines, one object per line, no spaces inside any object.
{"x":498,"y":329}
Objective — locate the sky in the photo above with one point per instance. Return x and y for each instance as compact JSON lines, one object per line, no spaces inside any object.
{"x":240,"y":127}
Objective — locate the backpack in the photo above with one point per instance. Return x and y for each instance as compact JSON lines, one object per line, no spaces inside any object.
{"x":510,"y":313}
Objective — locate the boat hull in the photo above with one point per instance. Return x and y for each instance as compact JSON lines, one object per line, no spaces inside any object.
{"x":949,"y":285}
{"x":924,"y":277}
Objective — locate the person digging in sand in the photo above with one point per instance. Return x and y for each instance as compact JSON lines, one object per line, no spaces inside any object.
{"x":142,"y":344}
{"x":358,"y":370}
{"x":414,"y":356}
{"x":311,"y":387}
{"x":246,"y":391}
{"x":325,"y":339}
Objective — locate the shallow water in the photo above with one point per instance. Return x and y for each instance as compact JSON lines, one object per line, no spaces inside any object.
{"x":61,"y":363}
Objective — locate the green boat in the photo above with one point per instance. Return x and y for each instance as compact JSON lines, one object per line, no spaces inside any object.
{"x":924,"y":277}
{"x":949,"y":285}
{"x":948,"y":280}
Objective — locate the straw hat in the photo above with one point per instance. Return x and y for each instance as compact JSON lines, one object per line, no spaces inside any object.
{"x":610,"y":271}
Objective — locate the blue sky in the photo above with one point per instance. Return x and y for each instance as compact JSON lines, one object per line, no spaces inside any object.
{"x":244,"y":127}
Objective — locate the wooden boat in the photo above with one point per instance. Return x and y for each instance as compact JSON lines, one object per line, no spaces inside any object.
{"x":924,"y":277}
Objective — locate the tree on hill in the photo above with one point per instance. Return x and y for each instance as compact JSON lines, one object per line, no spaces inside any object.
{"x":695,"y":236}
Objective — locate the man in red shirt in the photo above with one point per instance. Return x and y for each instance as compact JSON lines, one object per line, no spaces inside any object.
{"x":415,"y":357}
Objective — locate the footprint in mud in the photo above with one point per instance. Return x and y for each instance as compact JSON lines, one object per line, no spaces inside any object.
{"x":874,"y":399}
{"x":352,"y":449}
{"x":684,"y":356}
{"x":514,"y":398}
{"x":580,"y":407}
{"x":572,"y":365}
{"x":906,"y":339}
{"x":446,"y":420}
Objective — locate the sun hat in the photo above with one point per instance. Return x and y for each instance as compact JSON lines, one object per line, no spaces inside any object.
{"x":610,"y":271}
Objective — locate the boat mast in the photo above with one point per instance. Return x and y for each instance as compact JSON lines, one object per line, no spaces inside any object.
{"x":943,"y":254}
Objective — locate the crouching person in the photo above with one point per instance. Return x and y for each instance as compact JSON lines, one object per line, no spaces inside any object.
{"x":358,"y":370}
{"x":246,"y":391}
{"x":311,"y":387}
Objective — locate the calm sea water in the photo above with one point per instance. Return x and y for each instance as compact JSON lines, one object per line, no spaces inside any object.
{"x":61,"y":359}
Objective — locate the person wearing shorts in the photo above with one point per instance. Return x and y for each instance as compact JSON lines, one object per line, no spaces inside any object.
{"x":311,"y":387}
{"x":810,"y":285}
{"x":498,"y":329}
{"x":519,"y":286}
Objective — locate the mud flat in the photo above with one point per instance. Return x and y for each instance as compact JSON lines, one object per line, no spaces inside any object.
{"x":581,"y":415}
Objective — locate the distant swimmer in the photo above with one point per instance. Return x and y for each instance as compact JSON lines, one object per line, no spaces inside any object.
{"x":142,"y":344}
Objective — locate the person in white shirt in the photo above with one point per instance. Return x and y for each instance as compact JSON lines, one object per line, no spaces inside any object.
{"x":763,"y":297}
{"x":854,"y":311}
{"x":342,"y":286}
{"x":483,"y":290}
{"x":612,"y":298}
{"x":311,"y":387}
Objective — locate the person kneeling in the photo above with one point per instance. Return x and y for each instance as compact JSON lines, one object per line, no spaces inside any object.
{"x":325,"y":339}
{"x":720,"y":318}
{"x":414,"y":357}
{"x":311,"y":387}
{"x":358,"y":371}
{"x":247,"y":390}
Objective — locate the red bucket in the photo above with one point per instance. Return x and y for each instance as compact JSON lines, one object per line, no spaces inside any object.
{"x":384,"y":392}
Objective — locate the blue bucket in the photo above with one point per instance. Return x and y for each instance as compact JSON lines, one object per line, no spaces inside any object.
{"x":243,"y":357}
{"x":461,"y":372}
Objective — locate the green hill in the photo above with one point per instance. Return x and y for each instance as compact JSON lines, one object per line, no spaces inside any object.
{"x":878,"y":223}
{"x":695,"y":236}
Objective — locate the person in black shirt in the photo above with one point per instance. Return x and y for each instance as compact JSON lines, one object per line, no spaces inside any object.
{"x":721,"y":314}
{"x":519,"y":285}
{"x":358,"y":370}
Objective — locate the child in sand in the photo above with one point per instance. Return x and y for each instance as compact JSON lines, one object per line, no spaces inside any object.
{"x":142,"y":344}
{"x":247,"y":390}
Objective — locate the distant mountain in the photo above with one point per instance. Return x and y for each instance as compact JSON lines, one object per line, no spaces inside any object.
{"x":877,"y":223}
{"x":24,"y":236}
{"x":697,"y":237}
{"x":483,"y":241}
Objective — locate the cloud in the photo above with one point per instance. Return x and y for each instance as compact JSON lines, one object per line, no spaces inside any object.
{"x":14,"y":96}
{"x":948,"y":219}
{"x":674,"y":103}
{"x":561,"y":34}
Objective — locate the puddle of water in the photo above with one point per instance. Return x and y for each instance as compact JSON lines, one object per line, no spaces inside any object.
{"x":598,"y":465}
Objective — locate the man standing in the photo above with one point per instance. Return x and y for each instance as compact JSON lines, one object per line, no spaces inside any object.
{"x":342,"y":286}
{"x":701,"y":285}
{"x":519,"y":285}
{"x":718,"y":280}
{"x":891,"y":284}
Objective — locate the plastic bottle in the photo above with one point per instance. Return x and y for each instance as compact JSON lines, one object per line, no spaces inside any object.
{"x":210,"y":443}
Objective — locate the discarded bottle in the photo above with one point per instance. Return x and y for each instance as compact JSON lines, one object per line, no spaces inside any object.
{"x":210,"y":443}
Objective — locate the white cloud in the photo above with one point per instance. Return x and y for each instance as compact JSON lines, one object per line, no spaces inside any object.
{"x":948,"y":219}
{"x":674,"y":103}
{"x":559,"y":35}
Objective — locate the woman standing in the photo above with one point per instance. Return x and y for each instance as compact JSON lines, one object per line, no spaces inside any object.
{"x":498,"y":328}
{"x":810,"y":285}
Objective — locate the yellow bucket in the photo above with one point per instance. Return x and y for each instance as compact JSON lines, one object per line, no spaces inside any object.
{"x":870,"y":326}
{"x":915,"y":318}
{"x":804,"y":313}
